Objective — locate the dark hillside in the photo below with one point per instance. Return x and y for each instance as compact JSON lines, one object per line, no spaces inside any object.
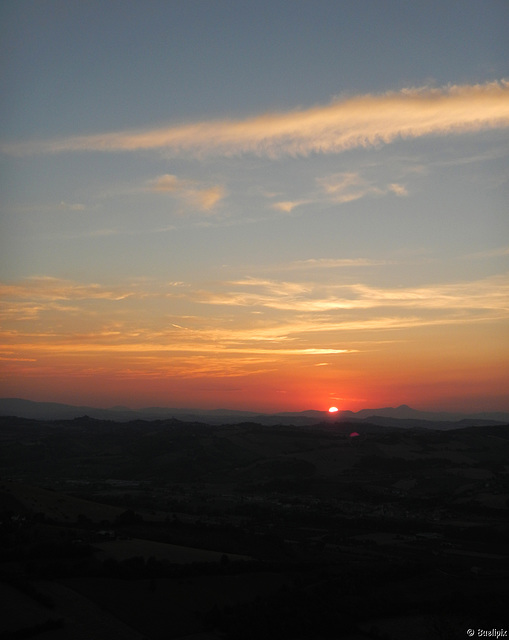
{"x":232,"y":529}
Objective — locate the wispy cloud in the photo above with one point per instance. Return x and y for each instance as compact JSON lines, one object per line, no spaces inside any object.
{"x":32,"y":295}
{"x":335,"y":263}
{"x":340,"y":188}
{"x":397,"y":189}
{"x":54,"y":289}
{"x":348,"y":186}
{"x":287,"y":206}
{"x":489,"y":293}
{"x":78,"y":345}
{"x":343,"y":187}
{"x":191,"y":192}
{"x":66,"y":329}
{"x":345,"y":123}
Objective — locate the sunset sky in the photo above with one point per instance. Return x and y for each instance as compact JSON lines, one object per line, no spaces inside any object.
{"x":265,"y":205}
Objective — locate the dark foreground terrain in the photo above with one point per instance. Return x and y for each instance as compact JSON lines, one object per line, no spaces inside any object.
{"x":166,"y":529}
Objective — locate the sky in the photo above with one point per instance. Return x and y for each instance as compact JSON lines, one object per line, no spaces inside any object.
{"x":270,"y":206}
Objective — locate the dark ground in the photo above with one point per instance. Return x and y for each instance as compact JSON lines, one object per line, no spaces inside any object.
{"x":166,"y":529}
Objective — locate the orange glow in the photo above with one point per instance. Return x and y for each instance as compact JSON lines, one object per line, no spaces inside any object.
{"x":91,"y":345}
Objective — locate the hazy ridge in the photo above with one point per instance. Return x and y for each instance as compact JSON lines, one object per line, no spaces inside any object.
{"x":403,"y":416}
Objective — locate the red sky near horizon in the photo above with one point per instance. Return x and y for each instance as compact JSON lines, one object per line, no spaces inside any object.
{"x":374,"y":374}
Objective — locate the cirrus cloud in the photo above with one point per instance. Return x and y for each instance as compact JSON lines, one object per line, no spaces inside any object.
{"x":348,"y":186}
{"x":192,"y":193}
{"x":491,"y":293}
{"x":345,"y":123}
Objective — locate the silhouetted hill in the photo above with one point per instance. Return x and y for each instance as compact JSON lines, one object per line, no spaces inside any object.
{"x":402,"y":416}
{"x":404,"y":412}
{"x":86,"y":448}
{"x":419,"y":423}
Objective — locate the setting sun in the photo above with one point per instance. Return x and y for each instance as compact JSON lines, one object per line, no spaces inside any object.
{"x":333,"y":409}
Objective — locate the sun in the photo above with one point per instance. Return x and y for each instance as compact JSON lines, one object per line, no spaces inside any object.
{"x":333,"y":409}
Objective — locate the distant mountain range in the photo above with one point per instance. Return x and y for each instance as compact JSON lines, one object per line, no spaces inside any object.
{"x":402,"y":416}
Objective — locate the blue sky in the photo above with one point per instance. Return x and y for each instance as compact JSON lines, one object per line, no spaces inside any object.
{"x":271,"y":192}
{"x":74,"y":67}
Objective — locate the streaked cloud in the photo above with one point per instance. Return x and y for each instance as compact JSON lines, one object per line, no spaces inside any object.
{"x":343,"y":187}
{"x":348,"y":186}
{"x":335,"y":263}
{"x":176,"y":331}
{"x":32,"y":295}
{"x":81,"y":346}
{"x":397,"y":189}
{"x":192,"y":193}
{"x":346,"y":123}
{"x":487,"y":293}
{"x":340,"y":188}
{"x":48,"y":288}
{"x":287,"y":206}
